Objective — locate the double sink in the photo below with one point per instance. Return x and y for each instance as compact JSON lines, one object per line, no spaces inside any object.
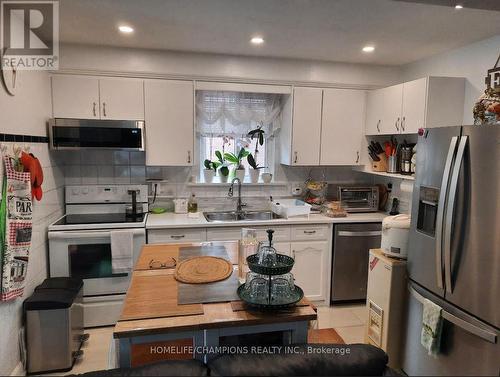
{"x":240,"y":216}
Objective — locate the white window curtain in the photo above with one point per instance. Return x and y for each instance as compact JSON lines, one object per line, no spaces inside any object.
{"x":235,"y":114}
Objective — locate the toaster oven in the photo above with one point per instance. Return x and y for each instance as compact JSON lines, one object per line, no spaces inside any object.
{"x":359,"y":199}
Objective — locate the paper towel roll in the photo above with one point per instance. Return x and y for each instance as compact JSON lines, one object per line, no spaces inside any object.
{"x":406,"y":187}
{"x":405,"y":196}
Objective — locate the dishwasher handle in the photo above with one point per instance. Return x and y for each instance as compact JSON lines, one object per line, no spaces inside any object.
{"x":371,"y":233}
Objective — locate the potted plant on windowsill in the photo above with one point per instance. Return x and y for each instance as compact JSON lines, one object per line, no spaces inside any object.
{"x":210,"y":170}
{"x":222,"y":165}
{"x":239,"y":170}
{"x":258,"y":134}
{"x":255,"y":171}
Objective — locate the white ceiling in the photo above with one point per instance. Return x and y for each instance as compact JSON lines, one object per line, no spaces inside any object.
{"x":333,"y":30}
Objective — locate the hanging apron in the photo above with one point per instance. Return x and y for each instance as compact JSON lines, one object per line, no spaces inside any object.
{"x":16,"y":228}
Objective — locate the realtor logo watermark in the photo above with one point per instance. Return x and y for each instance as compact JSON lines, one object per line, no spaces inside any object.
{"x":30,"y":35}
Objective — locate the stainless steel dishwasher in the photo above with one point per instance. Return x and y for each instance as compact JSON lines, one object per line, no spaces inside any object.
{"x":351,"y":243}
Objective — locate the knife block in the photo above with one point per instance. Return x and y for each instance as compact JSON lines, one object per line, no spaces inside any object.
{"x":380,"y":165}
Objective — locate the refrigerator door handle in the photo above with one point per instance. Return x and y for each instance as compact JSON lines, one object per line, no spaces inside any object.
{"x":440,"y":213}
{"x":450,"y":211}
{"x":467,"y":326}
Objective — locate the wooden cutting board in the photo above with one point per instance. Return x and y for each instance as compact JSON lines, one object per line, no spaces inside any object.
{"x":160,"y":253}
{"x":154,"y":296}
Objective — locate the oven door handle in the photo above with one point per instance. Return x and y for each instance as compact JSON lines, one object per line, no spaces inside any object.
{"x":118,"y":275}
{"x":64,"y":235}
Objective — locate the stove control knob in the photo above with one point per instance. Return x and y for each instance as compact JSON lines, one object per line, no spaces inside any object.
{"x":75,"y":191}
{"x":85,"y":190}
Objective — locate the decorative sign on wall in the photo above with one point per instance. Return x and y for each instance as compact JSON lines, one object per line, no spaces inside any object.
{"x":487,"y":108}
{"x":493,"y":78}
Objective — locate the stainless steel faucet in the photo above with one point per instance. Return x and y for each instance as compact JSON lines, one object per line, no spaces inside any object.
{"x":240,"y":205}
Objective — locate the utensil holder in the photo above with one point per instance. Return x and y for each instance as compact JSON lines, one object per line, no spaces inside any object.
{"x":392,"y":164}
{"x":380,"y":165}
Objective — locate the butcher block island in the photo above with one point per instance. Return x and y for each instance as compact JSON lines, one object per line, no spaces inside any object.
{"x":192,"y":320}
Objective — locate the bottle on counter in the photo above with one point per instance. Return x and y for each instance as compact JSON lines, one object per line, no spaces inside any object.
{"x":192,"y":204}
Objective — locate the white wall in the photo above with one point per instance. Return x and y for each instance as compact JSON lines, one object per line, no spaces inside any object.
{"x":471,"y":61}
{"x":108,"y":59}
{"x":26,"y":114}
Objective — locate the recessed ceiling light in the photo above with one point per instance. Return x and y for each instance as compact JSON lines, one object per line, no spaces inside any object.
{"x":458,"y":6}
{"x":368,"y":49}
{"x":125,"y":29}
{"x":257,"y":40}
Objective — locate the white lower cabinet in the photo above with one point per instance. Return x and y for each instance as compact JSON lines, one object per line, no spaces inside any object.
{"x":308,"y":244}
{"x":282,"y":248}
{"x":310,"y":269}
{"x":177,"y":235}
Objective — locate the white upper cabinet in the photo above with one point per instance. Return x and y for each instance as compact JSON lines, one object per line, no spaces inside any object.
{"x":87,"y":97}
{"x":413,"y":110}
{"x":122,"y":99}
{"x":392,"y":98}
{"x":306,"y":126}
{"x":423,"y":103}
{"x":75,"y":97}
{"x":342,"y":126}
{"x":374,"y":103}
{"x":169,"y":120}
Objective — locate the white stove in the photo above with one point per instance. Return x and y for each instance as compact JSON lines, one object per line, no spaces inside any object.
{"x":80,"y":244}
{"x":102,"y":207}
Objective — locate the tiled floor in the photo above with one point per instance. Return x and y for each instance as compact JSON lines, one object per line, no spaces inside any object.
{"x":347,"y":320}
{"x":95,"y":352}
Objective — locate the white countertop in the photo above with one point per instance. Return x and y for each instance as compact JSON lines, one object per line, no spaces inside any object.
{"x":172,"y":220}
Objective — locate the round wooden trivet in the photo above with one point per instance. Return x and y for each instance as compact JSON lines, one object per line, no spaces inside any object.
{"x":198,"y":270}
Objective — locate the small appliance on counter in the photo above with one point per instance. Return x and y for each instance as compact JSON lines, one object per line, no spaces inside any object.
{"x":395,"y":231}
{"x":359,"y":199}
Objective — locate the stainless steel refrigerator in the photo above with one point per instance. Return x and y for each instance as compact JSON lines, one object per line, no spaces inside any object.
{"x":454,"y":251}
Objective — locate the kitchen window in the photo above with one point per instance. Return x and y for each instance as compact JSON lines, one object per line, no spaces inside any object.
{"x":224,"y":120}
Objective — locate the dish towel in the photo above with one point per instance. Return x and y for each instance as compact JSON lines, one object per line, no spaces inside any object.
{"x":121,"y":251}
{"x":15,"y":227}
{"x":432,"y":324}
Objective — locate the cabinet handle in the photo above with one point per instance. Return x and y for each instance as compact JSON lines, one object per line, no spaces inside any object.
{"x":378,"y":125}
{"x":94,"y":109}
{"x":296,"y":158}
{"x":307,"y":248}
{"x":309,"y":231}
{"x":104,"y":108}
{"x":397,"y":125}
{"x":178,"y":237}
{"x":357,"y":157}
{"x":189,"y":157}
{"x":403,"y":123}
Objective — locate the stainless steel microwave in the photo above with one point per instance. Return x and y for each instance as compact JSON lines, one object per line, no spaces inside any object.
{"x":359,"y":199}
{"x":96,"y":134}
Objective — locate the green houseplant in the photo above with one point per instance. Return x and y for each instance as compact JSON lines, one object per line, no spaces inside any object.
{"x":258,"y":134}
{"x":235,"y":159}
{"x":255,"y":171}
{"x":222,"y":165}
{"x":210,"y":170}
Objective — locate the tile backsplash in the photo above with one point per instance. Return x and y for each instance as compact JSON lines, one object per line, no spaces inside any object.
{"x":123,"y":167}
{"x":103,"y":167}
